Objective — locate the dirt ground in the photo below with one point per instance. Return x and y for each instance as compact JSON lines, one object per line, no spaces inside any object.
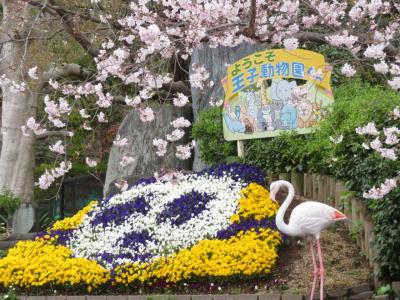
{"x":344,"y":265}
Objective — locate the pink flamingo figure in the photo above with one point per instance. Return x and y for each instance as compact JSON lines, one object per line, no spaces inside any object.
{"x":307,"y":220}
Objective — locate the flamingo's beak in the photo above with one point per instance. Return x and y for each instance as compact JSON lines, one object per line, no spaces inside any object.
{"x":272,"y":196}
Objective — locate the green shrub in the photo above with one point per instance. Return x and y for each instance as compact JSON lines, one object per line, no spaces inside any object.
{"x":284,"y":153}
{"x":9,"y":203}
{"x":208,"y":132}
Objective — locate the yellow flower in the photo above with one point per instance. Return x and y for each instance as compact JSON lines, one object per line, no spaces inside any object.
{"x":255,"y":203}
{"x":74,"y":221}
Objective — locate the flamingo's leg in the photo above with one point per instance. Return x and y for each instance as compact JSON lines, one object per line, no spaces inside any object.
{"x":315,"y":271}
{"x":321,"y":269}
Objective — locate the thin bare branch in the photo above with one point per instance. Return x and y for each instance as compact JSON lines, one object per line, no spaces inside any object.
{"x":56,"y":133}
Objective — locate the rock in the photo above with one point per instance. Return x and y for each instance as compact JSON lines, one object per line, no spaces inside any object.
{"x":382,"y":297}
{"x":337,"y":294}
{"x":23,"y":219}
{"x":269,"y":297}
{"x":140,"y":145}
{"x":215,"y":61}
{"x":202,"y":297}
{"x":366,"y":287}
{"x":292,"y":297}
{"x":396,"y":288}
{"x":362,"y":296}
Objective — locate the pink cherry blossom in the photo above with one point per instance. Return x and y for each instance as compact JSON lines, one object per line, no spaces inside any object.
{"x":370,"y":129}
{"x":121,"y":184}
{"x":291,"y":43}
{"x":32,"y":73}
{"x":146,"y":114}
{"x":375,"y":51}
{"x":381,"y":67}
{"x":379,"y":192}
{"x":57,"y":147}
{"x":161,"y":146}
{"x":180,"y":100}
{"x":83,"y":114}
{"x":126,"y":160}
{"x":91,"y":162}
{"x":180,"y":122}
{"x":198,"y":78}
{"x":348,"y":70}
{"x":176,"y":135}
{"x":395,"y":83}
{"x":45,"y":180}
{"x":101,"y":117}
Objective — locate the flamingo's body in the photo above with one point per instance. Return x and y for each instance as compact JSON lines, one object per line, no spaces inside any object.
{"x":307,"y":219}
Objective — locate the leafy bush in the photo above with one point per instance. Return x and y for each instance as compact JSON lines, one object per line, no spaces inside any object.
{"x":207,"y":131}
{"x":9,"y":203}
{"x":284,"y":153}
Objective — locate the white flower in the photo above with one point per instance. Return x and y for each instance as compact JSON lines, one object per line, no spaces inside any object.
{"x":89,"y":240}
{"x":337,"y":139}
{"x":90,"y":162}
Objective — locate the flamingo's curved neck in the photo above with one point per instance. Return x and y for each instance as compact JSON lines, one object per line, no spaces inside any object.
{"x":280,"y":223}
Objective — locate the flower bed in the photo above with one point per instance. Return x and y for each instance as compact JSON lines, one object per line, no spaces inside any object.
{"x":217,"y":223}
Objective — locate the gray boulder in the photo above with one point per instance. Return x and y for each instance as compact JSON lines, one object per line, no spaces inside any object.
{"x":140,"y":146}
{"x":215,"y":61}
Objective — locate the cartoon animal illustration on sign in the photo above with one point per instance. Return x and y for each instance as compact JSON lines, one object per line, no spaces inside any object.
{"x":234,"y":125}
{"x":264,"y":118}
{"x":281,"y":94}
{"x":305,"y":114}
{"x":289,"y":116}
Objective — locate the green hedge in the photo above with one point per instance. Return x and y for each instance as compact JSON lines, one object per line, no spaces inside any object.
{"x":355,"y":105}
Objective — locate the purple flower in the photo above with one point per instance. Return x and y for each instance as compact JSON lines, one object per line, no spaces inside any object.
{"x":119,"y":213}
{"x":239,"y":171}
{"x":245,"y":225}
{"x":184,"y":208}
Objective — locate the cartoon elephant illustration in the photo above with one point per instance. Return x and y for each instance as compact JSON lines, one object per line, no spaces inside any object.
{"x":281,"y":94}
{"x":289,"y":117}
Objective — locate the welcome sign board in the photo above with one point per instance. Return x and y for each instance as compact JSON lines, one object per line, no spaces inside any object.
{"x":275,"y":90}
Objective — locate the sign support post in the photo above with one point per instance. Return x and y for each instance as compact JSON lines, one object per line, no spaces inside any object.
{"x":240,"y":148}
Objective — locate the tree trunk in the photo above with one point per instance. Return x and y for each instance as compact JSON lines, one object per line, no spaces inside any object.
{"x":17,"y":155}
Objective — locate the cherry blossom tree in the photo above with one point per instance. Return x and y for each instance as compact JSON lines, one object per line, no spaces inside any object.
{"x":141,"y":52}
